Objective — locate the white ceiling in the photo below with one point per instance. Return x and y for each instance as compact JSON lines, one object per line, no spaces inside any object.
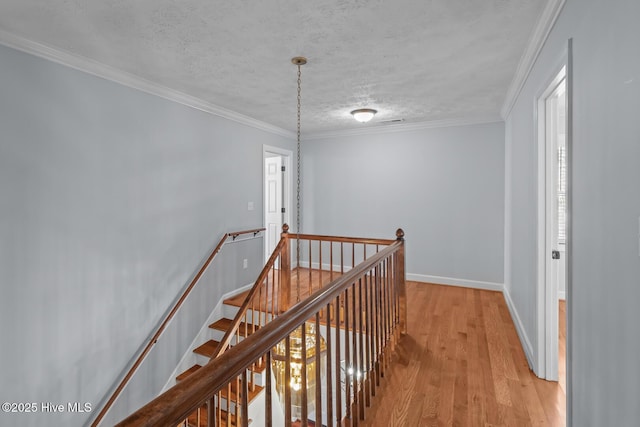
{"x":417,"y":60}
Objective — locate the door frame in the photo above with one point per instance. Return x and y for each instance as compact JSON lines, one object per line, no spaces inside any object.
{"x":287,"y":155}
{"x":547,"y":290}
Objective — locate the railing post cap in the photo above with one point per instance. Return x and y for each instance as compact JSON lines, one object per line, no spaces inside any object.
{"x":400,"y":234}
{"x":285,"y":228}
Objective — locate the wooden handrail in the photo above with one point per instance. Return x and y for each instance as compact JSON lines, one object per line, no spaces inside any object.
{"x":342,"y":239}
{"x":228,"y":336}
{"x":235,"y":234}
{"x":185,"y":397}
{"x":166,"y":321}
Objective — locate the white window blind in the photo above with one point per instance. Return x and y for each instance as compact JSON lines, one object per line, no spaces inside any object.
{"x":562,"y":193}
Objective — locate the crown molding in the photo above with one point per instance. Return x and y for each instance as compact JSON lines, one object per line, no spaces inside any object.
{"x":107,"y":72}
{"x":534,"y":46}
{"x":402,"y":127}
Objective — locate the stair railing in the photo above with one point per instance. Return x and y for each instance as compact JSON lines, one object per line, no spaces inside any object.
{"x":368,"y":304}
{"x":167,"y":319}
{"x":279,"y":278}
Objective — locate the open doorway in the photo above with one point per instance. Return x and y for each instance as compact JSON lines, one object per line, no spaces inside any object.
{"x":276,"y":194}
{"x":552,"y":227}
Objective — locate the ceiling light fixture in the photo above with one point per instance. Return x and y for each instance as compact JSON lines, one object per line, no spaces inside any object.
{"x":363,"y":115}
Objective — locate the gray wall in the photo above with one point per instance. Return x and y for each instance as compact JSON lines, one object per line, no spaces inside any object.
{"x":110,"y":199}
{"x":443,"y":186}
{"x":604,"y":295}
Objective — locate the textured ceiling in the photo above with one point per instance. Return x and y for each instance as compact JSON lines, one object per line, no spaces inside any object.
{"x":417,"y":60}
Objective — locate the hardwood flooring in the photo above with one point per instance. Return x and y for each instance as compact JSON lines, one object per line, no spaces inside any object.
{"x":562,"y":346}
{"x":462,"y":364}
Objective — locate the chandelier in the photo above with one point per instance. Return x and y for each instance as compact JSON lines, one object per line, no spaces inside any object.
{"x":295,"y":360}
{"x":301,"y":376}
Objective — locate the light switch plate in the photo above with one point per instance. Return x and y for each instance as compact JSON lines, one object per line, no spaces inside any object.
{"x":250,"y":206}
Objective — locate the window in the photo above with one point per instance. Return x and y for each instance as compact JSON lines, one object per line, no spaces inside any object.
{"x":562,"y":193}
{"x":561,"y":167}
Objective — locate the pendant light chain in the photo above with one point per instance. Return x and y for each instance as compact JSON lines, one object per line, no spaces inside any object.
{"x":298,"y":221}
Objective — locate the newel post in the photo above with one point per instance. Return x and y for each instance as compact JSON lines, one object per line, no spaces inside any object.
{"x":285,"y":270}
{"x":401,"y":284}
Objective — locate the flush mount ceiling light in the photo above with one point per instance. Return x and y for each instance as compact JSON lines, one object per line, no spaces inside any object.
{"x":363,"y":115}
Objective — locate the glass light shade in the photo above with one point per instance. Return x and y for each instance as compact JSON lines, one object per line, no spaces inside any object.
{"x":297,"y":365}
{"x":364,"y":114}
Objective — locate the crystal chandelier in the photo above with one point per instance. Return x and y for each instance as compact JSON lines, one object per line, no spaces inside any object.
{"x":295,"y":360}
{"x":301,"y":378}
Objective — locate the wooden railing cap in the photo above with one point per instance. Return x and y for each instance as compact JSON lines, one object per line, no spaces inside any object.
{"x":400,"y":234}
{"x":285,"y":228}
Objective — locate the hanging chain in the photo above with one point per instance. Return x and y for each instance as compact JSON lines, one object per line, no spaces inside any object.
{"x":298,"y":221}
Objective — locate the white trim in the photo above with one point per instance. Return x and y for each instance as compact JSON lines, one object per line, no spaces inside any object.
{"x":465,"y":283}
{"x":541,"y":233}
{"x":188,"y":358}
{"x":547,"y":292}
{"x":436,"y":280}
{"x":524,"y":338}
{"x":508,"y":200}
{"x":130,"y":80}
{"x":325,"y":266}
{"x":287,"y":158}
{"x":403,"y":127}
{"x":569,"y":234}
{"x":562,"y":295}
{"x":534,"y":46}
{"x":276,"y":150}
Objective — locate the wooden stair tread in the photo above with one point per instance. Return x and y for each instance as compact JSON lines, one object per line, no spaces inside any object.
{"x":224,"y":325}
{"x":224,"y":414}
{"x":234,"y":392}
{"x":207,"y":349}
{"x":192,"y":420}
{"x":258,"y":369}
{"x":225,"y":391}
{"x":188,"y":372}
{"x":237,"y":300}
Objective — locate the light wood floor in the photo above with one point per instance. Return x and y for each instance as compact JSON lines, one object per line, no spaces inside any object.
{"x":462,"y":364}
{"x":562,"y":347}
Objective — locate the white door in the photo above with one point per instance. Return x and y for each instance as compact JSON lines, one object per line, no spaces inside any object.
{"x":557,"y":172}
{"x":551,"y":226}
{"x":273,"y":190}
{"x":555,"y":126}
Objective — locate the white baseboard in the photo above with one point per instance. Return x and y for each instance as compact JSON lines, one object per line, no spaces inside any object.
{"x":238,"y":291}
{"x":188,"y":359}
{"x":438,"y":280}
{"x":325,"y":266}
{"x":524,"y":339}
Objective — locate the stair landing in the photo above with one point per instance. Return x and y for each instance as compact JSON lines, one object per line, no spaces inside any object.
{"x":310,"y":281}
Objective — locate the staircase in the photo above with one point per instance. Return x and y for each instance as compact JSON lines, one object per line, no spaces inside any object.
{"x":229,"y":382}
{"x":228,"y":397}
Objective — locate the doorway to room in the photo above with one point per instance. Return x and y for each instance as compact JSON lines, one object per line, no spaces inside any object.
{"x":276,"y":194}
{"x":552,"y":227}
